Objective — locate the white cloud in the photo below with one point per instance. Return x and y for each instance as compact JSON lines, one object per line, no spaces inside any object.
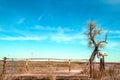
{"x":22,"y":38}
{"x":39,"y":27}
{"x":20,"y":21}
{"x":60,"y":34}
{"x":56,"y":34}
{"x":62,"y":37}
{"x":48,"y":28}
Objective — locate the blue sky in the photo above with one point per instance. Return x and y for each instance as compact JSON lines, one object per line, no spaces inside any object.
{"x":55,"y":28}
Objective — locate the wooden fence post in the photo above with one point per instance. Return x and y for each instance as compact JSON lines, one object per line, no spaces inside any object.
{"x":26,"y":65}
{"x":102,"y":64}
{"x":69,"y":64}
{"x":49,"y":64}
{"x":102,"y":61}
{"x":4,"y":65}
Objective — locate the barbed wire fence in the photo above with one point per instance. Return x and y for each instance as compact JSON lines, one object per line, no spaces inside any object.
{"x":41,"y":65}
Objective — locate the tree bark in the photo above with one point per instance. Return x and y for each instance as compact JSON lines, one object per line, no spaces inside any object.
{"x":91,"y":60}
{"x":90,"y":68}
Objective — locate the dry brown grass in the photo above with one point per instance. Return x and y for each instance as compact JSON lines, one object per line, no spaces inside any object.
{"x":110,"y":74}
{"x":112,"y":71}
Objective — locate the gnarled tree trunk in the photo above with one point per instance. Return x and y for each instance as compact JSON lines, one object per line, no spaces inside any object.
{"x":91,"y":60}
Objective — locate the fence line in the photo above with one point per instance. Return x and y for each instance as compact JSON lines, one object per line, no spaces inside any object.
{"x":36,"y":65}
{"x":46,"y":59}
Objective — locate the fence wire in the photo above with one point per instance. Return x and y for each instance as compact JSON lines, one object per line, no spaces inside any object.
{"x":41,"y":65}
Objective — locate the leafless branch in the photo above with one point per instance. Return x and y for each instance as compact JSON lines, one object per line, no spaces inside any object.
{"x":106,"y":36}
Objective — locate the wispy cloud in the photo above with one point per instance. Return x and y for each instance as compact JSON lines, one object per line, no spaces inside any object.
{"x":49,"y":28}
{"x":114,"y":31}
{"x":62,"y":37}
{"x":20,"y":21}
{"x":54,"y":34}
{"x":21,"y":38}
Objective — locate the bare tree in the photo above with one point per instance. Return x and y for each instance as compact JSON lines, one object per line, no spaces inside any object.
{"x":92,"y":34}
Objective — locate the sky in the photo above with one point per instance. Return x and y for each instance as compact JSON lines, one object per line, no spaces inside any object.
{"x":55,"y":28}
